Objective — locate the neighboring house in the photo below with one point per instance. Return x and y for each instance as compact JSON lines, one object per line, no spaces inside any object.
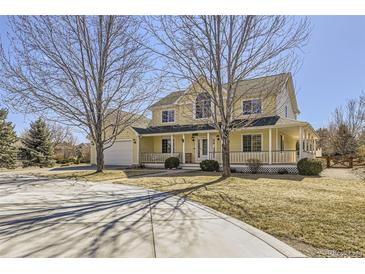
{"x":267,"y":129}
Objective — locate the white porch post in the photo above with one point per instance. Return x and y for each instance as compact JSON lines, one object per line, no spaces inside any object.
{"x":183,"y":149}
{"x":276,"y":139}
{"x":208,"y":145}
{"x":300,"y":142}
{"x":310,"y":145}
{"x":270,"y":150}
{"x":172,"y":144}
{"x":305,"y":140}
{"x":315,"y":147}
{"x":138,"y":149}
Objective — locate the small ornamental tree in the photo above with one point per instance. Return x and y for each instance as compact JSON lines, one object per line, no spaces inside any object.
{"x":38,"y":150}
{"x":344,"y":141}
{"x":7,"y":141}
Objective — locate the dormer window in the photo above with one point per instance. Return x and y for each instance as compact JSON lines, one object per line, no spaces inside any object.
{"x":203,"y":106}
{"x":168,"y":116}
{"x":251,"y":106}
{"x":286,"y":111}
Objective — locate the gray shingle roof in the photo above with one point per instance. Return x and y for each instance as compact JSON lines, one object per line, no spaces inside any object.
{"x":249,"y":87}
{"x":262,"y":86}
{"x":169,"y":99}
{"x":263,"y":121}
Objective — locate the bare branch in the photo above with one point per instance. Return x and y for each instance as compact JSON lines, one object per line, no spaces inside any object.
{"x":91,"y":72}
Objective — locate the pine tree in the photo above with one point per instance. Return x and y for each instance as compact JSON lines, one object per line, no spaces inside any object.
{"x":7,"y":141}
{"x":38,"y":149}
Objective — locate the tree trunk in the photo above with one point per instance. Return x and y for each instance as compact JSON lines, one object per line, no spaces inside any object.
{"x":225,"y":156}
{"x":99,"y":155}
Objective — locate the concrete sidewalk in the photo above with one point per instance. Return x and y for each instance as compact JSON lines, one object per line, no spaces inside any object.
{"x":43,"y":217}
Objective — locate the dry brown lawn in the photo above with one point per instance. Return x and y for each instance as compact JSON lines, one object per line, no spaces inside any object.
{"x":322,"y":217}
{"x":90,"y":175}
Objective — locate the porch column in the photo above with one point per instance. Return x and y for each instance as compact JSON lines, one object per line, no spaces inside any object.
{"x":183,"y":149}
{"x":300,"y":142}
{"x":270,"y":150}
{"x":138,"y":149}
{"x":315,"y":147}
{"x":208,"y":145}
{"x":305,"y":140}
{"x":172,"y":144}
{"x":276,"y":139}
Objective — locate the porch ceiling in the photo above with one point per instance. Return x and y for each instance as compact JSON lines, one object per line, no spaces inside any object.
{"x":294,"y":131}
{"x":291,"y":131}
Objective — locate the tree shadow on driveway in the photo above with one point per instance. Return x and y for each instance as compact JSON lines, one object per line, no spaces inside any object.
{"x":87,"y":222}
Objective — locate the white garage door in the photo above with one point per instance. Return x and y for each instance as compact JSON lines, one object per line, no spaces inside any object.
{"x":120,"y":153}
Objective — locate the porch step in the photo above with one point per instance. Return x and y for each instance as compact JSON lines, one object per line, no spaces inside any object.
{"x":191,"y":166}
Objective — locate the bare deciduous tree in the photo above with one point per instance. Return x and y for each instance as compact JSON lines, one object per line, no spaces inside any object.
{"x":352,"y":115}
{"x":90,"y":72}
{"x":325,"y":141}
{"x":216,"y":53}
{"x":61,"y":134}
{"x":347,"y":126}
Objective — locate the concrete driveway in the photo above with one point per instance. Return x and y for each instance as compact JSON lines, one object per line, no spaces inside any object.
{"x":42,"y":217}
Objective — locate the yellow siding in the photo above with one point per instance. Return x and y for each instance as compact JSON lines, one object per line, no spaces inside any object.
{"x":268,"y":106}
{"x":153,"y":143}
{"x":184,"y":111}
{"x":92,"y":155}
{"x":146,"y":144}
{"x":157,"y":116}
{"x":272,"y":104}
{"x":236,"y":139}
{"x":283,"y":100}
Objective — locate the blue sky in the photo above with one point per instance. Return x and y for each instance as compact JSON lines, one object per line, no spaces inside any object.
{"x":333,"y":69}
{"x":332,"y":72}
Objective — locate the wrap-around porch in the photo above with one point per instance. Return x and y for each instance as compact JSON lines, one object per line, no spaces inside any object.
{"x":271,"y":146}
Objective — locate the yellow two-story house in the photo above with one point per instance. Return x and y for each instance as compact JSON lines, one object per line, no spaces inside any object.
{"x":267,"y":129}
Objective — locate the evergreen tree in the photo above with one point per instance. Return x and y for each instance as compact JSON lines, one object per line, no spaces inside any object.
{"x":7,"y":141}
{"x":38,"y":149}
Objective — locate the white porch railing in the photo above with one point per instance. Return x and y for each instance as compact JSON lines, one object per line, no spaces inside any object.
{"x":236,"y":157}
{"x":277,"y":157}
{"x":152,"y":157}
{"x":284,"y":157}
{"x":307,"y":154}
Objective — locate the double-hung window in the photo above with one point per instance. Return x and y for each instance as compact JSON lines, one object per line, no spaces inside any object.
{"x":251,"y":106}
{"x":251,"y":143}
{"x":168,"y":116}
{"x":166,"y":145}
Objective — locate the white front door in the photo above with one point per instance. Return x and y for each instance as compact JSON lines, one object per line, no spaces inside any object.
{"x":202,"y":150}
